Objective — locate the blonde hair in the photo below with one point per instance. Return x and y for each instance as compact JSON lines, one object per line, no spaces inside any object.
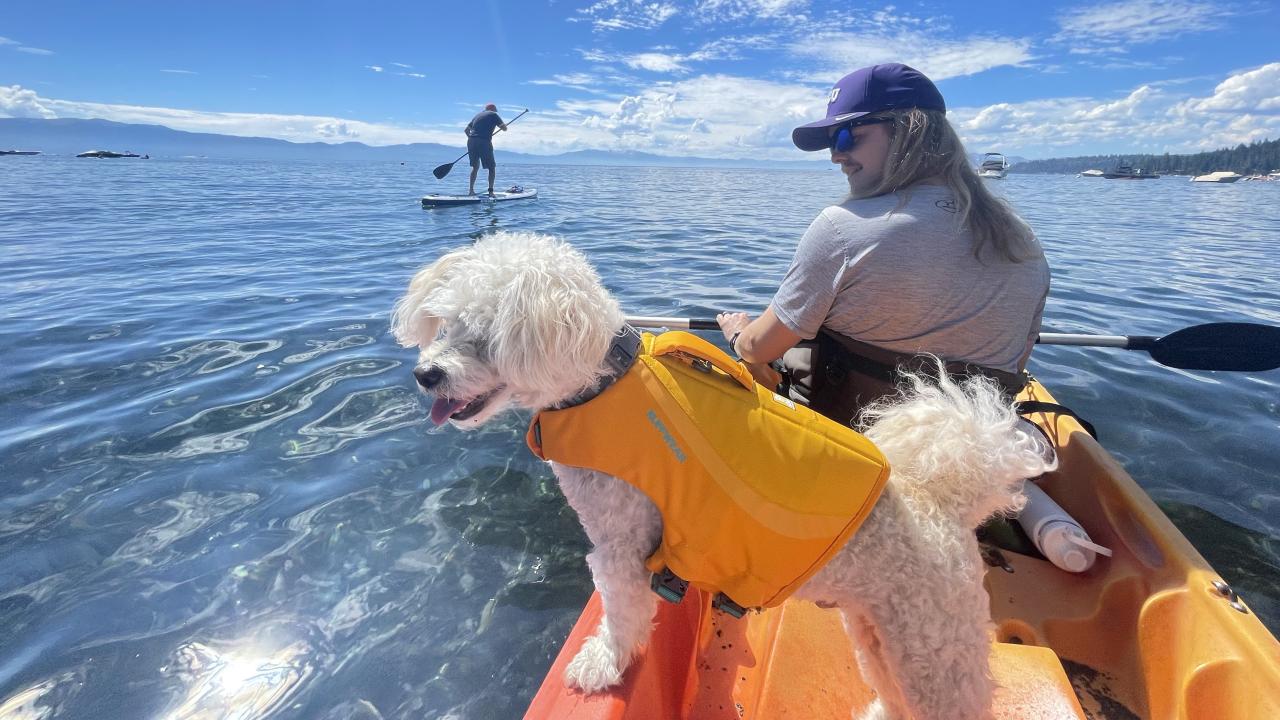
{"x":924,"y":146}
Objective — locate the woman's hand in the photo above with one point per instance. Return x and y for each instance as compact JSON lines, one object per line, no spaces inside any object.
{"x":732,"y":323}
{"x":761,"y":340}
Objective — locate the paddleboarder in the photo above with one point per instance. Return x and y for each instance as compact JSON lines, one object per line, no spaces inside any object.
{"x":480,"y":144}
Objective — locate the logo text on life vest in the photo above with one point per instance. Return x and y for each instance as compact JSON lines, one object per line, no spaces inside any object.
{"x":666,"y":436}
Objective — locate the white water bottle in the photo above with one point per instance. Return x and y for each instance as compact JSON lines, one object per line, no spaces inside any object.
{"x":1058,"y":536}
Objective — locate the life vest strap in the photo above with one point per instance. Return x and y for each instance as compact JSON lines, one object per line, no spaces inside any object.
{"x":672,"y":588}
{"x":668,"y":585}
{"x":727,"y":606}
{"x":1031,"y":407}
{"x":887,"y":365}
{"x":621,"y":355}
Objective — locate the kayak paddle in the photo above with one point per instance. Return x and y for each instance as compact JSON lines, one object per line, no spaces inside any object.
{"x":1246,"y":347}
{"x":443,"y":170}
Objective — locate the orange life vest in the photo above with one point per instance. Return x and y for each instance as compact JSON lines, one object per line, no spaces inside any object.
{"x":756,"y":492}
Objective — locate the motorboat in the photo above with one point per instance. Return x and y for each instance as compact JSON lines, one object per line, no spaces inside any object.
{"x":107,"y":154}
{"x":994,"y":165}
{"x":1128,"y":172}
{"x":1092,"y":173}
{"x":1222,"y":176}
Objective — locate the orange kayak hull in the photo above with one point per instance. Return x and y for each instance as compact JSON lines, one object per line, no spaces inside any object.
{"x":1143,"y":634}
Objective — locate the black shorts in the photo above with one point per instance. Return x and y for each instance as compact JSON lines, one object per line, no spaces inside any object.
{"x":480,"y":152}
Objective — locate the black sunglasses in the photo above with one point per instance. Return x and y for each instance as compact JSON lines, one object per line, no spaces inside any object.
{"x":843,"y":140}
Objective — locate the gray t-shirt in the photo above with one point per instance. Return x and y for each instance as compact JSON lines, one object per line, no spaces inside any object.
{"x":482,"y":125}
{"x":905,"y":279}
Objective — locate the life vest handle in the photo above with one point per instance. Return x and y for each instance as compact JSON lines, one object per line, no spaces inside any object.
{"x":678,"y":341}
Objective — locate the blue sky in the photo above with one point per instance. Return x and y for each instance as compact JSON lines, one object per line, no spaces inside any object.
{"x":713,"y":78}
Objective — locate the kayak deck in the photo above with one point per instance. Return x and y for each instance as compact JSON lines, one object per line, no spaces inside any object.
{"x":1144,"y":634}
{"x":478,"y":199}
{"x":781,"y":663}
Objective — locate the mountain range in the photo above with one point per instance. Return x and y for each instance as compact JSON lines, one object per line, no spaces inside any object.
{"x":66,"y":136}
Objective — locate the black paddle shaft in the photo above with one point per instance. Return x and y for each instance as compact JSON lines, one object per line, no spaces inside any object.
{"x":1241,"y":347}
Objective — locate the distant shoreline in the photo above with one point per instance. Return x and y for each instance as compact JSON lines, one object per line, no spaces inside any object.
{"x":70,"y":136}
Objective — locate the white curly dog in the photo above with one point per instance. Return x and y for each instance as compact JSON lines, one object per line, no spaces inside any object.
{"x":522,"y":320}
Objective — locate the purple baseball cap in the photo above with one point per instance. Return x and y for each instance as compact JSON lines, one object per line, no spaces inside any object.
{"x":891,"y":86}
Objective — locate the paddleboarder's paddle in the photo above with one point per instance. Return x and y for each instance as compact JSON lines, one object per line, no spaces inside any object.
{"x":445,"y":169}
{"x":1246,"y":347}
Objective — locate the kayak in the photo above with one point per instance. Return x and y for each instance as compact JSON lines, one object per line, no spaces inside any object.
{"x":482,"y":198}
{"x":1150,"y":632}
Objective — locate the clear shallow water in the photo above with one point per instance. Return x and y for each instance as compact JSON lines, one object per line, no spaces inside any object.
{"x":218,"y":497}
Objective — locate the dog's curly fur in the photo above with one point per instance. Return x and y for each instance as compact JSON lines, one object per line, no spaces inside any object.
{"x":519,"y":319}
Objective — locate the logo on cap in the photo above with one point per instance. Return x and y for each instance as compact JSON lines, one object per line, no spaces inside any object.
{"x":835,"y":93}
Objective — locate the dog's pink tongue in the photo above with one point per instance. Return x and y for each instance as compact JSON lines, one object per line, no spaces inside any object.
{"x":442,"y":408}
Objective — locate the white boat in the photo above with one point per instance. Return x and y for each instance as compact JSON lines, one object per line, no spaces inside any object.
{"x":1091,"y":173}
{"x":109,"y":154}
{"x":994,"y":165}
{"x":1222,"y":176}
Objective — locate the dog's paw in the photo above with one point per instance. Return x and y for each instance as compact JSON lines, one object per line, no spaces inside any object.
{"x":596,"y":667}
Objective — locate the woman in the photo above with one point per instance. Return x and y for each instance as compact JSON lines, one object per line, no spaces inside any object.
{"x":920,"y":258}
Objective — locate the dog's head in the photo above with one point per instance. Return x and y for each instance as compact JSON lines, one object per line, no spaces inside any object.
{"x":515,"y":319}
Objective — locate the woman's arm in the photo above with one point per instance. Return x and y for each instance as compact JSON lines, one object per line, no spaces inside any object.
{"x":762,"y":340}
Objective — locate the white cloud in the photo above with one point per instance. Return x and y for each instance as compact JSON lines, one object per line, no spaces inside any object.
{"x":656,"y":62}
{"x":724,"y":10}
{"x":180,"y":72}
{"x":676,"y":118}
{"x":725,"y":116}
{"x":402,"y":65}
{"x":839,"y":53}
{"x":580,"y":80}
{"x":375,"y":68}
{"x":1112,"y":25}
{"x":336,"y":129}
{"x":412,"y":75}
{"x":626,"y":14}
{"x":1253,"y":91}
{"x":24,"y":48}
{"x":660,"y":60}
{"x":17,"y":101}
{"x":1243,"y":108}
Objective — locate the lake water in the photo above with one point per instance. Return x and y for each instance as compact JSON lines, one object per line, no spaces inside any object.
{"x":218,"y":494}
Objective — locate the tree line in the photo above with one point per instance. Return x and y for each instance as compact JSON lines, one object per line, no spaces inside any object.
{"x":1260,"y":156}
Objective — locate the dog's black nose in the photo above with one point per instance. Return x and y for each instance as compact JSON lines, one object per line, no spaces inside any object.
{"x":428,"y":377}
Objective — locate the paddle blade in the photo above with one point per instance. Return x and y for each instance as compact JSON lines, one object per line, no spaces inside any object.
{"x":1247,"y":347}
{"x":442,"y":170}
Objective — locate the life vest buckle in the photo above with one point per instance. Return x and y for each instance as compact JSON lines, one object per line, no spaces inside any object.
{"x":727,"y":606}
{"x":668,"y":585}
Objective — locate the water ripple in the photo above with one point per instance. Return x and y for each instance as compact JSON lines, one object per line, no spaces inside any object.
{"x":220,"y":494}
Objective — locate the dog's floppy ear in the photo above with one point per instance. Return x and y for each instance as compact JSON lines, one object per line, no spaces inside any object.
{"x":411,"y":321}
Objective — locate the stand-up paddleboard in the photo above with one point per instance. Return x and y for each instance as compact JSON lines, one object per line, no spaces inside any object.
{"x":479,"y":198}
